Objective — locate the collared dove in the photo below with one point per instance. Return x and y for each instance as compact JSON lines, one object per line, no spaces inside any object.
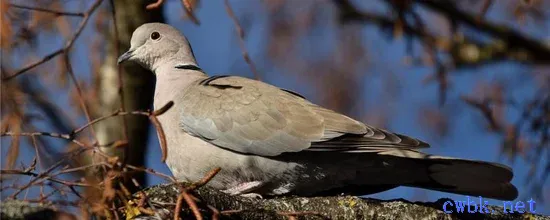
{"x":270,"y":141}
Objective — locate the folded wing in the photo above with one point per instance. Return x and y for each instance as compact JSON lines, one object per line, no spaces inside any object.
{"x":253,"y":117}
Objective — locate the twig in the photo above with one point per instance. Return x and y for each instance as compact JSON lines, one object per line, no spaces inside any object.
{"x":188,"y":7}
{"x":28,"y":173}
{"x":48,"y":134}
{"x":154,"y":5}
{"x":152,"y":172}
{"x":53,"y":11}
{"x":152,"y":117}
{"x":67,"y":46}
{"x":179,"y":203}
{"x":35,"y":145}
{"x":162,"y":137}
{"x":165,"y":108}
{"x":43,"y":60}
{"x":205,"y":179}
{"x":240,"y":34}
{"x":192,"y":204}
{"x":190,"y":199}
{"x":90,"y":123}
{"x":55,"y":135}
{"x":78,"y":91}
{"x":70,"y":170}
{"x":45,"y":173}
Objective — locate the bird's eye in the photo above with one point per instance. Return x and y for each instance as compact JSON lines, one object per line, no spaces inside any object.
{"x":155,"y":35}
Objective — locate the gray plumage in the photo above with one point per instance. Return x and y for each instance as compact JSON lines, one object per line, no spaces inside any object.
{"x":271,"y":141}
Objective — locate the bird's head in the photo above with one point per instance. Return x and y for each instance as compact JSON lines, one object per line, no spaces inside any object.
{"x":156,"y":44}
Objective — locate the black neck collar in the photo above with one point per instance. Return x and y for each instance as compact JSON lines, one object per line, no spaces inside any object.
{"x":188,"y":67}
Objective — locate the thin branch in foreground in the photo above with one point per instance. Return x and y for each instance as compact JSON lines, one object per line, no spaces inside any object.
{"x":46,"y":173}
{"x":162,"y":137}
{"x":205,"y":179}
{"x":154,"y":5}
{"x":48,"y":134}
{"x":152,"y":117}
{"x":152,"y":172}
{"x":240,"y":34}
{"x":179,"y":204}
{"x":70,"y":137}
{"x":78,"y":91}
{"x":188,"y":7}
{"x":121,"y":113}
{"x":190,"y":199}
{"x":192,"y":204}
{"x":32,"y":174}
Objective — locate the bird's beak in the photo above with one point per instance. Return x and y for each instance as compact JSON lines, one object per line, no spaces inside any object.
{"x":125,"y":56}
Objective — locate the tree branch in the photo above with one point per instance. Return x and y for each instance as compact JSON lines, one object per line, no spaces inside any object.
{"x":53,"y":11}
{"x":539,"y":52}
{"x":163,"y":197}
{"x":67,"y":46}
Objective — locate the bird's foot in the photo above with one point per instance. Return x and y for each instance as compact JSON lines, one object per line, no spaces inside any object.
{"x":243,"y":189}
{"x":252,"y":195}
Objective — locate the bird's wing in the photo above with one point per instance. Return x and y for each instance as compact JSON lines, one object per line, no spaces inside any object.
{"x":252,"y":117}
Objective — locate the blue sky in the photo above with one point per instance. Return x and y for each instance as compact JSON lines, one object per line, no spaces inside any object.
{"x":216,"y":48}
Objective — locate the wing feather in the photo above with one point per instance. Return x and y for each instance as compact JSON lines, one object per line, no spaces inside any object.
{"x":252,"y":117}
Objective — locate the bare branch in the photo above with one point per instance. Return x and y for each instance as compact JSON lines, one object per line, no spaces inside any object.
{"x":53,"y":11}
{"x":189,"y":7}
{"x":154,"y":5}
{"x":240,"y":34}
{"x":538,"y":52}
{"x":28,"y":173}
{"x":79,"y":91}
{"x":67,"y":46}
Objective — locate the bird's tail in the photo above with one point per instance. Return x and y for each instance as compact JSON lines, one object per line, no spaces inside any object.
{"x":466,"y":177}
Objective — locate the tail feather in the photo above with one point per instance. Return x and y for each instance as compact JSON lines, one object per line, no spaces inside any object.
{"x":469,"y":177}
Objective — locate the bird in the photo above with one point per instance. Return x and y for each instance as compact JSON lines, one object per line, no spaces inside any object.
{"x":269,"y":141}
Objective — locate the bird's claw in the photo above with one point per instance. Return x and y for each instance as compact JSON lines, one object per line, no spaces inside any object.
{"x":243,"y":189}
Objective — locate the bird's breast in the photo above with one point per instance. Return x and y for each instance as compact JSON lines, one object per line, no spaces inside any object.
{"x":190,"y":158}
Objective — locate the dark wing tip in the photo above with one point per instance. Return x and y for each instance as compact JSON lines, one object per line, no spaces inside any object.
{"x":406,"y":140}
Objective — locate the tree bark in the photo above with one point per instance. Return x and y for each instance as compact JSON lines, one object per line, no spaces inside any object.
{"x":138,"y":86}
{"x":162,"y":198}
